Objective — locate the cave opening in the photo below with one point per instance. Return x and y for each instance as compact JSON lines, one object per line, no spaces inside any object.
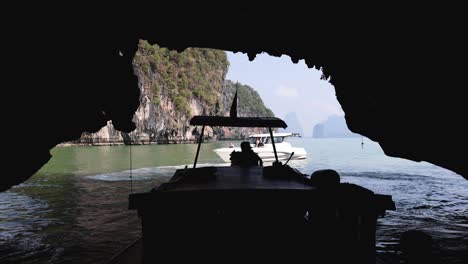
{"x":83,"y":181}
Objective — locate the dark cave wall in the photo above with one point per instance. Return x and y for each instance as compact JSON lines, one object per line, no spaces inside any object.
{"x":399,"y":75}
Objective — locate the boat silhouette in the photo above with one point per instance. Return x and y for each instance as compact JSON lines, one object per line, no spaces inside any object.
{"x":254,"y":213}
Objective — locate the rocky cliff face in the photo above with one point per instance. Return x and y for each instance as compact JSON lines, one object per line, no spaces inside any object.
{"x":249,"y":104}
{"x":294,"y":126}
{"x":173,"y":88}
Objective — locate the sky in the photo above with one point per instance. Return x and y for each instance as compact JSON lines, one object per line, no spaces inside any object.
{"x":287,"y":87}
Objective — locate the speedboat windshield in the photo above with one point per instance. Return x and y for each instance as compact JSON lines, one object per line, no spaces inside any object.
{"x":253,"y":140}
{"x":277,"y":139}
{"x":265,"y":140}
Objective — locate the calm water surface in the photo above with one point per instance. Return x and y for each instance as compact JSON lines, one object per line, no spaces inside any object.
{"x":74,"y":210}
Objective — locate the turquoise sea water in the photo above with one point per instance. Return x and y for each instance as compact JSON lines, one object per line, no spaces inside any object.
{"x":74,"y":210}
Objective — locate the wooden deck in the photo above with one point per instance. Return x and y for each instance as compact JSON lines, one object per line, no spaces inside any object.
{"x":231,"y":178}
{"x":224,"y":187}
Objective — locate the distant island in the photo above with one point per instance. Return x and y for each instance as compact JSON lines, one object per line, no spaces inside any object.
{"x":294,"y":126}
{"x":333,"y":127}
{"x":176,"y":86}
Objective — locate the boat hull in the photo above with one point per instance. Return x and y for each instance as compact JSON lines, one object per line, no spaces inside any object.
{"x":256,"y":213}
{"x":265,"y":153}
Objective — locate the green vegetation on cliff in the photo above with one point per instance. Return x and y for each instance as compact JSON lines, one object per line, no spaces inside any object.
{"x":250,"y":103}
{"x":195,"y":72}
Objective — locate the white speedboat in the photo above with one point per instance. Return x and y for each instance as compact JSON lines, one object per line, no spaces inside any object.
{"x":261,"y":144}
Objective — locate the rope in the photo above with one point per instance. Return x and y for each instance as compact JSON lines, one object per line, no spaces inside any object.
{"x":131,"y":175}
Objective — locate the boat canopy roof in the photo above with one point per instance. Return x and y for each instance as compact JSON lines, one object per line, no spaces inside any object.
{"x":237,"y":121}
{"x":268,"y":135}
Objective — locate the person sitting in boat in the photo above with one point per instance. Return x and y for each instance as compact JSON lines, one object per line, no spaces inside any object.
{"x":257,"y":142}
{"x":246,"y":157}
{"x":230,"y":145}
{"x":260,"y":144}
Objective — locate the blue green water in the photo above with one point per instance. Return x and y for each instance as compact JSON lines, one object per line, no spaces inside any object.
{"x":74,"y":210}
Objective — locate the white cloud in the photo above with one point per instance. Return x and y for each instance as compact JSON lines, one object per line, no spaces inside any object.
{"x":284,"y":91}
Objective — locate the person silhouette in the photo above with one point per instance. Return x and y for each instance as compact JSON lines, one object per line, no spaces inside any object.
{"x":246,"y":157}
